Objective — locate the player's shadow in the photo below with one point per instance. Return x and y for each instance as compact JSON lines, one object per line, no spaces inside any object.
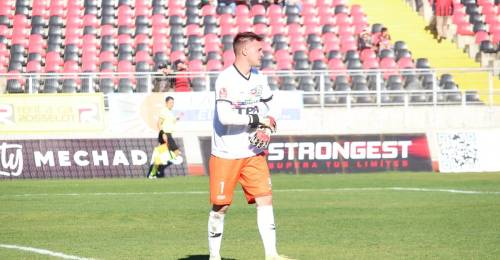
{"x":201,"y":257}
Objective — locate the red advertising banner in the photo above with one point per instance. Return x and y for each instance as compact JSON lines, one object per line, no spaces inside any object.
{"x":345,"y":153}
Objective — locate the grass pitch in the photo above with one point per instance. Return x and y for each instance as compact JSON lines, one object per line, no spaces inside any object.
{"x":355,"y":216}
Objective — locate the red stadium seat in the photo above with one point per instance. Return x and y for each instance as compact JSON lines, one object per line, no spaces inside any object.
{"x":125,"y":66}
{"x":277,"y":30}
{"x":244,"y":27}
{"x":266,"y":46}
{"x":193,"y":29}
{"x":107,"y":56}
{"x":208,"y":10}
{"x":211,"y":39}
{"x":73,"y":38}
{"x":284,"y":65}
{"x":465,"y":29}
{"x":214,"y":65}
{"x":343,"y":20}
{"x":57,"y":9}
{"x":406,"y":63}
{"x":175,"y":3}
{"x":228,"y":58}
{"x":176,"y":11}
{"x":311,"y":21}
{"x":357,"y":10}
{"x":295,"y":30}
{"x":242,"y":10}
{"x":142,"y":11}
{"x":481,"y":36}
{"x":36,"y":41}
{"x":261,"y":29}
{"x":125,"y":21}
{"x":371,"y":63}
{"x":496,"y":38}
{"x":19,"y":39}
{"x":141,"y":56}
{"x":316,"y":54}
{"x":125,"y":39}
{"x":195,"y":65}
{"x":89,"y":65}
{"x":283,"y":56}
{"x":40,"y":8}
{"x":141,"y":39}
{"x":158,"y":20}
{"x":339,"y":2}
{"x":327,"y":19}
{"x":368,"y":54}
{"x":315,"y":29}
{"x":274,"y":11}
{"x":89,"y":40}
{"x":90,"y":20}
{"x":336,"y":64}
{"x":33,"y":66}
{"x":226,"y":19}
{"x":330,"y":37}
{"x":71,"y":67}
{"x":348,"y":45}
{"x":332,"y":46}
{"x":177,"y":55}
{"x":159,"y":47}
{"x":108,"y":29}
{"x":309,"y":10}
{"x":227,"y":30}
{"x":258,"y":10}
{"x":20,"y":21}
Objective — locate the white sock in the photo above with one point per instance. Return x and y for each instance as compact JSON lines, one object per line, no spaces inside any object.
{"x":267,"y":229}
{"x":215,"y":230}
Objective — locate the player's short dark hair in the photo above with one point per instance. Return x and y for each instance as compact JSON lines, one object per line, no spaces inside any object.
{"x":245,"y":37}
{"x":168,"y":98}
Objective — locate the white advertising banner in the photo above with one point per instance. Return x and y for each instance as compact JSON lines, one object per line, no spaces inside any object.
{"x":469,"y":151}
{"x":137,"y":114}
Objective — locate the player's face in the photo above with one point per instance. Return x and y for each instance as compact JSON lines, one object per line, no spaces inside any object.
{"x":170,"y":104}
{"x":254,"y":53}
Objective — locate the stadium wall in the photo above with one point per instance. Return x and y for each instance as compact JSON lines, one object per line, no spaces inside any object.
{"x":132,"y":117}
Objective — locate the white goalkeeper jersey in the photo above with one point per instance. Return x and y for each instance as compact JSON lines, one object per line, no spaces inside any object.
{"x":237,"y":97}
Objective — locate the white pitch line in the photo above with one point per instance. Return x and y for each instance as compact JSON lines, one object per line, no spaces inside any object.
{"x":276,"y":191}
{"x":44,"y":252}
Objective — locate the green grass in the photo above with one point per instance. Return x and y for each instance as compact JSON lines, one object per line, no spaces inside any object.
{"x":155,"y":219}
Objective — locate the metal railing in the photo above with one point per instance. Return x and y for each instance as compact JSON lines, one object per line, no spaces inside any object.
{"x":320,"y":87}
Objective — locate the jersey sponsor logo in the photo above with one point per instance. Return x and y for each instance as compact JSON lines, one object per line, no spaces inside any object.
{"x":223,"y":93}
{"x":247,"y":110}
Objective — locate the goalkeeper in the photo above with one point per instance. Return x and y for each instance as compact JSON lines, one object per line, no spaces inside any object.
{"x":243,"y":121}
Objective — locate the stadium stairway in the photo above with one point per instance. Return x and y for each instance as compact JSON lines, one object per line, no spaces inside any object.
{"x":406,"y":25}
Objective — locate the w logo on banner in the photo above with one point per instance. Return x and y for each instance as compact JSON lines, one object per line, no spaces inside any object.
{"x":11,"y":159}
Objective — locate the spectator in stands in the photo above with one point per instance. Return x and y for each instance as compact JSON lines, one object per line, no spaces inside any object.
{"x":383,"y":40}
{"x":443,"y":10}
{"x":179,"y":83}
{"x":365,"y":41}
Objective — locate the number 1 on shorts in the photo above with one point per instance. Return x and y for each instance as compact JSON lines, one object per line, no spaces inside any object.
{"x":221,"y":187}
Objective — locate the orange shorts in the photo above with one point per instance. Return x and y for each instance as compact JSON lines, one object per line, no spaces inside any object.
{"x":252,"y":173}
